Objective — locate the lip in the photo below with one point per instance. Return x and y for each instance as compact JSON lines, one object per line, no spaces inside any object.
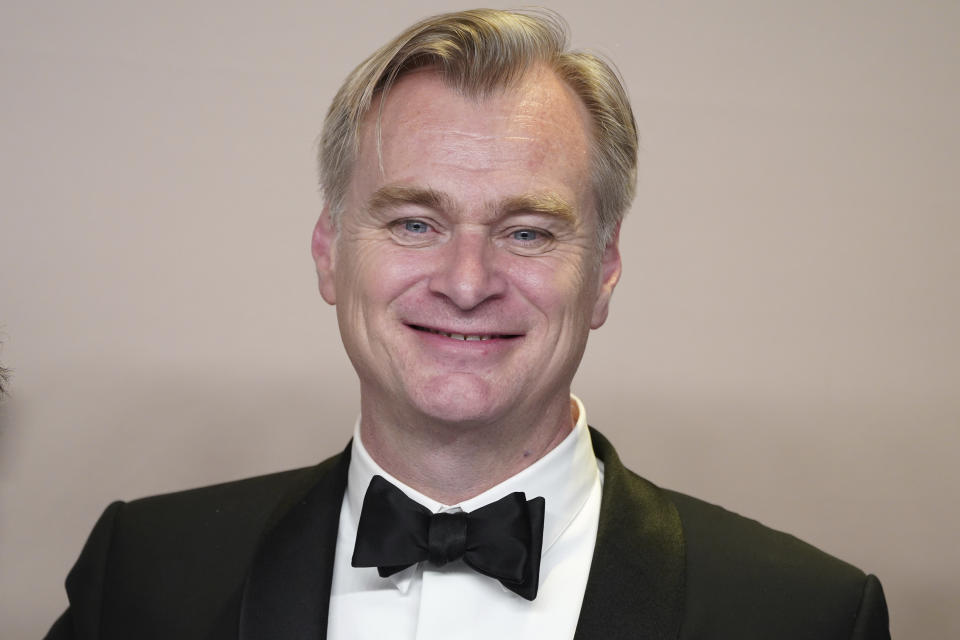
{"x":453,"y":350}
{"x":464,"y":335}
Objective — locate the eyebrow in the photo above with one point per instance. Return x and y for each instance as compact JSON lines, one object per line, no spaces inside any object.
{"x":396,"y":195}
{"x":550,"y":204}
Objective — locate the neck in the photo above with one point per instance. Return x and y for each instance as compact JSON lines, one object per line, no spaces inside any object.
{"x":451,"y":462}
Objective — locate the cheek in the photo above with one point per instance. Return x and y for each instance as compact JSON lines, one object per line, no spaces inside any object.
{"x":555,"y":287}
{"x":375,"y":275}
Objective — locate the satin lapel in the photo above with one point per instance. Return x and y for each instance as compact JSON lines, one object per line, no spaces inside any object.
{"x":636,"y":583}
{"x":287,"y":592}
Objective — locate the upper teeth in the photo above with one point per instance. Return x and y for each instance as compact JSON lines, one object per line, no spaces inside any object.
{"x":461,"y":336}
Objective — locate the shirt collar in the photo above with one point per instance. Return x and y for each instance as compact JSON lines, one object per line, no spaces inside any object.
{"x":564,"y":477}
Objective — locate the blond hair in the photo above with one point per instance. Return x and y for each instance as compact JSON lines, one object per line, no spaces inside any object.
{"x":477,"y":52}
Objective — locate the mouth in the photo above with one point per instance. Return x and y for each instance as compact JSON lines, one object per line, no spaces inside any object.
{"x":466,"y":337}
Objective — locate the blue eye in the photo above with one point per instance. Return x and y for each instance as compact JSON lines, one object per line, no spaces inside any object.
{"x":528,"y":240}
{"x":527,"y":235}
{"x":415,"y":226}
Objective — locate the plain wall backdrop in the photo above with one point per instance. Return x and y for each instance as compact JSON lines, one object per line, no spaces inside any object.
{"x":784,"y":340}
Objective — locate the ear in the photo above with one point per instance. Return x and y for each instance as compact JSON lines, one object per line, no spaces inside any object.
{"x":610,"y":267}
{"x":323,"y":246}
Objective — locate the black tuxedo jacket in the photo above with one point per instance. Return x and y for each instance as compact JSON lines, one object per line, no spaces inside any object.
{"x":253,"y":560}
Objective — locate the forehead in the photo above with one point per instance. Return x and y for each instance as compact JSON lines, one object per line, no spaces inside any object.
{"x":531,"y":136}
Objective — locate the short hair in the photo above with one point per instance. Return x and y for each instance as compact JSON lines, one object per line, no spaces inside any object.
{"x":477,"y":52}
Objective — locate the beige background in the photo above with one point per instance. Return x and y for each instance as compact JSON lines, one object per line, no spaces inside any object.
{"x":784,"y":341}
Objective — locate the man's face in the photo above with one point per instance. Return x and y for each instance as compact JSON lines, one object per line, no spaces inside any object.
{"x":466,"y":273}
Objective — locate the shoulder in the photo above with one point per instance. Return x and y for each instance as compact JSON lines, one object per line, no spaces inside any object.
{"x":742,"y":575}
{"x":225,"y":515}
{"x":718,"y":541}
{"x":742,"y":579}
{"x":186,"y":552}
{"x":248,"y":499}
{"x":719,"y":538}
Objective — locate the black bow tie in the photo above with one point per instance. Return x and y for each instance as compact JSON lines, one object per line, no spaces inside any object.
{"x":501,"y":540}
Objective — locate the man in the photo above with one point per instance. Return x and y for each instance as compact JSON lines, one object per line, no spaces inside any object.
{"x":475,"y":175}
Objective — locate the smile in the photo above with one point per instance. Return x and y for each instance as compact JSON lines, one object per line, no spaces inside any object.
{"x":463,"y":336}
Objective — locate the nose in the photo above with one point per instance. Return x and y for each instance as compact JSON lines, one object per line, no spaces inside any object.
{"x":466,"y":271}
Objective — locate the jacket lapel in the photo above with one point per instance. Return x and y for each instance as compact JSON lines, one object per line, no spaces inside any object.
{"x":636,"y":584}
{"x":287,"y":591}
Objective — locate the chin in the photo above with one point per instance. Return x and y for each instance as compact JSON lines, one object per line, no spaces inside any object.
{"x":460,"y":398}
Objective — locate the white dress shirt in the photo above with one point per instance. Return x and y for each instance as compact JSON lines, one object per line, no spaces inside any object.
{"x":425,"y":602}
